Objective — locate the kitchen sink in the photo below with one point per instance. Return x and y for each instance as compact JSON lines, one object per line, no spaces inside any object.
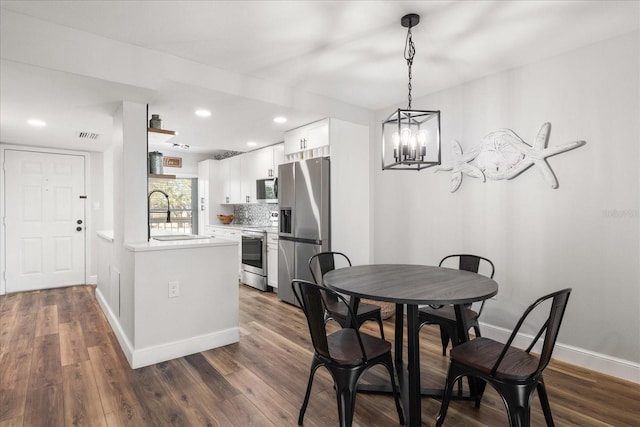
{"x":171,"y":237}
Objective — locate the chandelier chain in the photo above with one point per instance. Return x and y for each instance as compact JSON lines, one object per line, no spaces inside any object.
{"x":409,"y":54}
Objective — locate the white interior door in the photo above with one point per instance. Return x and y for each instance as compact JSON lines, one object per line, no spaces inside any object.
{"x":44,"y":220}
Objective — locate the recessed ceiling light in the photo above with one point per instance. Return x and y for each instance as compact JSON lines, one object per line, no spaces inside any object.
{"x":280,"y":119}
{"x":252,"y":144}
{"x":36,"y":123}
{"x":203,"y":113}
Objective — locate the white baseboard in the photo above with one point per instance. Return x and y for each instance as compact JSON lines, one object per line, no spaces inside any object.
{"x":92,"y":280}
{"x":172,"y":350}
{"x":620,"y":368}
{"x":160,"y":353}
{"x":125,"y":344}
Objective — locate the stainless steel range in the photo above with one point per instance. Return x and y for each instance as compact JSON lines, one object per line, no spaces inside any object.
{"x":253,"y":270}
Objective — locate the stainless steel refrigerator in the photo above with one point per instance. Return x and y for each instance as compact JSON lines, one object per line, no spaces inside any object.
{"x":304,"y":223}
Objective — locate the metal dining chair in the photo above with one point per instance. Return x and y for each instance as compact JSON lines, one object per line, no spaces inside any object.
{"x":514,"y":373}
{"x":324,"y":262}
{"x":444,"y":316}
{"x":346,"y":353}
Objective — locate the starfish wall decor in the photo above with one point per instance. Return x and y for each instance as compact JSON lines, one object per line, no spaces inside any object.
{"x":502,"y":154}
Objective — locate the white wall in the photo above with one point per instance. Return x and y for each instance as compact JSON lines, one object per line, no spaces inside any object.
{"x":583,"y":235}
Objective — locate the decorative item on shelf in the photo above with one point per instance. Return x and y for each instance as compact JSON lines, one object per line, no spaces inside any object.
{"x":414,"y":134}
{"x":502,"y":154}
{"x":172,"y":162}
{"x":225,"y":219}
{"x":155,"y":163}
{"x":155,"y":122}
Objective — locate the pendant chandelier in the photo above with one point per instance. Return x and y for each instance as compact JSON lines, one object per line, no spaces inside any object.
{"x":411,"y":138}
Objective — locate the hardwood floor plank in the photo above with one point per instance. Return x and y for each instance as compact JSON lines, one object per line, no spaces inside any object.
{"x":46,"y":369}
{"x":82,"y":405}
{"x":13,"y":422}
{"x":221,"y":360}
{"x":64,"y":300}
{"x":24,"y":332}
{"x":73,"y":349}
{"x":45,"y":407}
{"x":47,"y":320}
{"x":267,"y":399}
{"x":242,"y":412}
{"x":159,"y":406}
{"x":94,"y":328}
{"x":115,"y":386}
{"x":9,"y":305}
{"x":14,"y":379}
{"x":213,"y":380}
{"x":196,"y":399}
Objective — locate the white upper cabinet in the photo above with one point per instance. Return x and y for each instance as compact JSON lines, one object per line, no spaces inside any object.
{"x":308,"y":141}
{"x":278,"y":158}
{"x":233,"y":182}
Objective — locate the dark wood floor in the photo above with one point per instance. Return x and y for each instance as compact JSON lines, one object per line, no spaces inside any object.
{"x":60,"y":365}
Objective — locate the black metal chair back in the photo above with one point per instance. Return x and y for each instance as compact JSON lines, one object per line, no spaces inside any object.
{"x":550,"y":328}
{"x":310,"y":296}
{"x":469,"y":263}
{"x":325,"y":262}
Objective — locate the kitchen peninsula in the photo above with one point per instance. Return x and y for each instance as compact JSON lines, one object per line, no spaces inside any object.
{"x":170,"y":298}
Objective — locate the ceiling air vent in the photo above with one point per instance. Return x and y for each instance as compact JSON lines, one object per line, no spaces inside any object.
{"x":88,"y":135}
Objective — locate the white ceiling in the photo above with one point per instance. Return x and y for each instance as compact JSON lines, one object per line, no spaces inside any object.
{"x":347,"y":54}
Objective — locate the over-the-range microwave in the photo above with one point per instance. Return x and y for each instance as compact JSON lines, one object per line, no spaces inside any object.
{"x":267,"y":190}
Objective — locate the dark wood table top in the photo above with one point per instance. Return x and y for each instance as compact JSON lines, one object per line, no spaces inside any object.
{"x":411,"y":284}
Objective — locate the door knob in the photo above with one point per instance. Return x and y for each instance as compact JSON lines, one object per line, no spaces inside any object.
{"x":79,"y":221}
{"x":78,"y":228}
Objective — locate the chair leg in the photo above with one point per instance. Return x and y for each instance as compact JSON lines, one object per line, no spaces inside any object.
{"x":379,"y":320}
{"x":517,"y":399}
{"x":544,"y":401}
{"x":480,"y":386}
{"x":314,"y":366}
{"x":444,"y":337}
{"x":346,"y":390}
{"x":452,"y":376}
{"x":388,"y":363}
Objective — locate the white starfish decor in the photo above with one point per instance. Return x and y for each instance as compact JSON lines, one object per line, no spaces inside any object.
{"x":459,"y":166}
{"x":502,"y":154}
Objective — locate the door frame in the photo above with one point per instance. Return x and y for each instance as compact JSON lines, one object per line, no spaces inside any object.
{"x":88,"y":210}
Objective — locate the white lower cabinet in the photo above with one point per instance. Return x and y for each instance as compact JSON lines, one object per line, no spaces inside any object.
{"x":272,"y":260}
{"x":223,"y":232}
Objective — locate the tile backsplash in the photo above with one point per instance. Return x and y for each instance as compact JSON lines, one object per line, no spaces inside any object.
{"x":257,"y":214}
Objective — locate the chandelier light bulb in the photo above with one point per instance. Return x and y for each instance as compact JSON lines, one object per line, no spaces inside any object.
{"x":405,"y":134}
{"x":396,"y":139}
{"x":422,"y":137}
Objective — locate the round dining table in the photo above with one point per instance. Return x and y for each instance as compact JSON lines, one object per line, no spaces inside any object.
{"x":409,"y":286}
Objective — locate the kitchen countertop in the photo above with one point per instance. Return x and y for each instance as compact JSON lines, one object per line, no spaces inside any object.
{"x":156,"y":245}
{"x":265,"y":228}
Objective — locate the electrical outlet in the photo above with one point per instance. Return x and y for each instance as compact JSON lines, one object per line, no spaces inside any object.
{"x":174,"y":289}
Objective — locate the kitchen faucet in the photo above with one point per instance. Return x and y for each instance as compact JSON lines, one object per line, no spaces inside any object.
{"x":149,"y":205}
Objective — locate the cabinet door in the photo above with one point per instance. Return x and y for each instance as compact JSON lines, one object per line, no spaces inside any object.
{"x":234,"y":178}
{"x":278,"y":158}
{"x":293,"y":141}
{"x":272,"y":264}
{"x":263,"y":163}
{"x":204,"y":201}
{"x":317,"y":135}
{"x":248,"y":180}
